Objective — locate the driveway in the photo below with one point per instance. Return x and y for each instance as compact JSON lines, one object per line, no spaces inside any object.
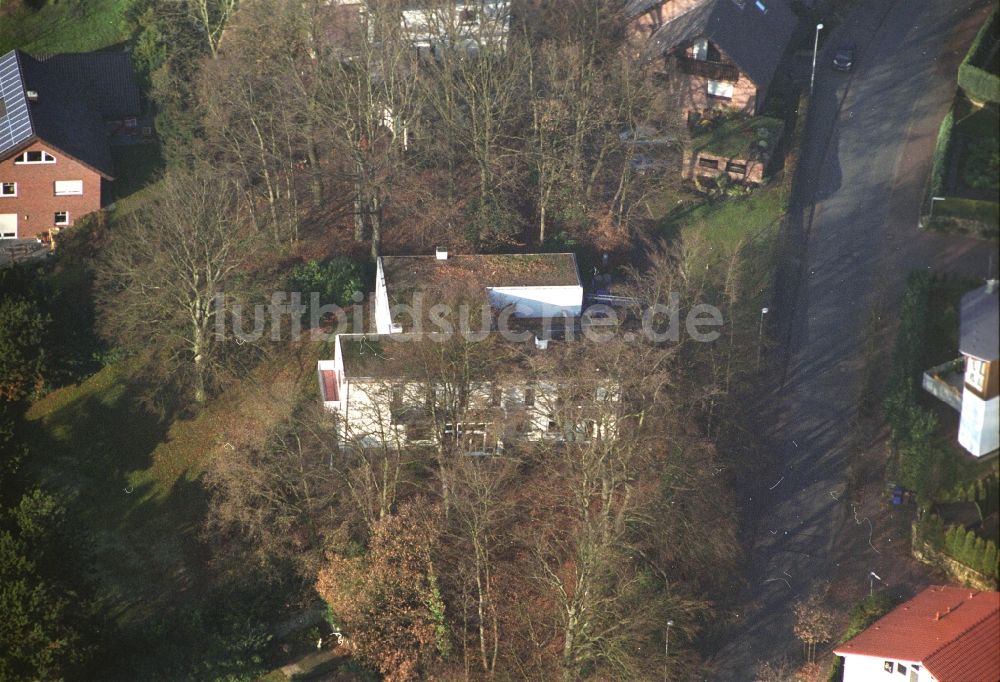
{"x":861,"y":180}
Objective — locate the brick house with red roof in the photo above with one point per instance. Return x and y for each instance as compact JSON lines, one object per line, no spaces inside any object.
{"x":57,"y":113}
{"x":944,"y":634}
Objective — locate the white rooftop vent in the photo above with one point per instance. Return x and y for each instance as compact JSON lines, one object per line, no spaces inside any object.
{"x":32,"y":95}
{"x":442,"y":254}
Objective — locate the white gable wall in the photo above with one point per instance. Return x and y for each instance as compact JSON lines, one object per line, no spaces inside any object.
{"x":979,"y":428}
{"x":871,"y":669}
{"x":538,"y":301}
{"x":383,"y":317}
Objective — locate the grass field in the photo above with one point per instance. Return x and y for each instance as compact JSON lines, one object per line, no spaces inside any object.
{"x":62,"y":25}
{"x":134,"y":493}
{"x":717,"y":228}
{"x":131,"y":482}
{"x":134,"y":481}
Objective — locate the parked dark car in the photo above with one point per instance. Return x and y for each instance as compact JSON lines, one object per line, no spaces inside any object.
{"x":843,"y":60}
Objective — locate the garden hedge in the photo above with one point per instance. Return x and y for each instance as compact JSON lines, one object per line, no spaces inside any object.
{"x":974,"y":76}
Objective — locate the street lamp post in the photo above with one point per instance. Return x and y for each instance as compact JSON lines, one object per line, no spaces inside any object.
{"x":812,"y":79}
{"x":760,"y":334}
{"x":872,"y":577}
{"x":666,"y":651}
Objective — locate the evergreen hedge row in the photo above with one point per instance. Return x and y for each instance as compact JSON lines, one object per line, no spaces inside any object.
{"x":942,"y":151}
{"x":974,"y":76}
{"x":913,"y":428}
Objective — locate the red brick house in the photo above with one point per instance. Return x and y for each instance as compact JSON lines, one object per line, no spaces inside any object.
{"x":56,"y":114}
{"x":717,"y":54}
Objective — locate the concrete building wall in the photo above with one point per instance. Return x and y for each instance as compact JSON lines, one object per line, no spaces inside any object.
{"x":979,"y":428}
{"x":36,"y":202}
{"x":693,"y":166}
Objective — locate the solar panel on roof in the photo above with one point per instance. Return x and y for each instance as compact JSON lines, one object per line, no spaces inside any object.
{"x":15,"y":127}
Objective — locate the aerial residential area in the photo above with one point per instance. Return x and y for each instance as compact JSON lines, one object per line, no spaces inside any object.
{"x":577,"y":340}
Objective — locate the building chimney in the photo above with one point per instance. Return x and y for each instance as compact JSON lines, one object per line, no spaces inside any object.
{"x":441,"y":253}
{"x":991,"y":286}
{"x":32,"y":95}
{"x":541,"y":344}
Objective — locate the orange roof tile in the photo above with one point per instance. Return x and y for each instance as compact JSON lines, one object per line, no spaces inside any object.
{"x":952,"y":631}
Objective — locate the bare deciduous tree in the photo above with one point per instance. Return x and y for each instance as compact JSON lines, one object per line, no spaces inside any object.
{"x":162,"y":274}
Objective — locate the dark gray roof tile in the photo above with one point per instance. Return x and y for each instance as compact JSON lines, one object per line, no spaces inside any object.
{"x":754,"y":38}
{"x":980,"y":323}
{"x":62,"y":116}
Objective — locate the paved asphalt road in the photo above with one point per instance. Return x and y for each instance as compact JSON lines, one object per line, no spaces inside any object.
{"x":867,"y":156}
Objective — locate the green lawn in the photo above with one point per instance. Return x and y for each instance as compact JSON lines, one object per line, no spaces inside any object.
{"x":750,"y":222}
{"x":141,"y":513}
{"x":136,"y":167}
{"x":135,"y":498}
{"x":62,"y":25}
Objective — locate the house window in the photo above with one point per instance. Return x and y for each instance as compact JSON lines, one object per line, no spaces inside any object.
{"x":887,"y":666}
{"x":529,"y":397}
{"x":8,"y":189}
{"x":734,"y":167}
{"x":61,"y":218}
{"x":496,"y":396}
{"x":900,"y":668}
{"x":8,"y":226}
{"x":699,"y":50}
{"x":36,"y":156}
{"x":708,"y":163}
{"x":68,"y":187}
{"x":553,"y":424}
{"x":131,"y":122}
{"x":720,"y":89}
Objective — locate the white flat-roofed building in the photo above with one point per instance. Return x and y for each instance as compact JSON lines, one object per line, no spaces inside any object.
{"x":534,"y":286}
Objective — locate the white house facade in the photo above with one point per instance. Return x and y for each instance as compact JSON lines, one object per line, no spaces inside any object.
{"x":944,"y":634}
{"x":384,"y":395}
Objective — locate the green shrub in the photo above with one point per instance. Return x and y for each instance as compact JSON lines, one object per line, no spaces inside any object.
{"x":981,"y":165}
{"x":976,"y":75}
{"x":942,"y":151}
{"x":864,"y":613}
{"x":978,"y":84}
{"x":989,"y":564}
{"x":335,"y":280}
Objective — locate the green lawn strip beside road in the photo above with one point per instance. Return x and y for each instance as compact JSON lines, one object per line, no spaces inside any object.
{"x":750,"y":223}
{"x":63,"y":26}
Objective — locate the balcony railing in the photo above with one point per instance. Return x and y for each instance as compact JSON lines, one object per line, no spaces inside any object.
{"x":717,"y":71}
